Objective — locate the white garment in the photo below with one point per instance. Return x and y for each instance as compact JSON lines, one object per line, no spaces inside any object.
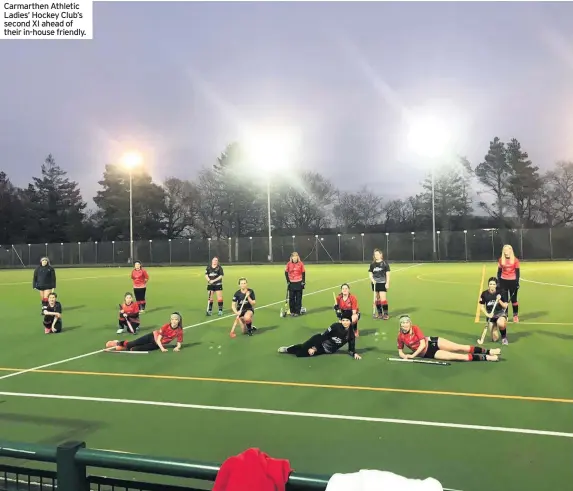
{"x":373,"y":480}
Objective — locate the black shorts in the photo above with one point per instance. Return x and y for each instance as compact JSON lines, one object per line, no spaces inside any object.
{"x":215,"y":287}
{"x":57,"y":325}
{"x":295,"y":286}
{"x":139,"y":293}
{"x":508,"y":285}
{"x":432,"y":348}
{"x":494,"y":319}
{"x":379,"y":287}
{"x":244,"y":311}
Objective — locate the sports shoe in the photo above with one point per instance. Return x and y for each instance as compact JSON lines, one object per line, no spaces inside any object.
{"x":495,"y":351}
{"x":385,"y":317}
{"x":283,"y":349}
{"x":47,"y":330}
{"x":111,"y":344}
{"x":208,"y":313}
{"x":505,"y":341}
{"x":220,"y":313}
{"x":120,"y":331}
{"x":515,"y":319}
{"x":491,"y":358}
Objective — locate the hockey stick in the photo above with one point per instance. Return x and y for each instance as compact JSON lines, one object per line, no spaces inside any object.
{"x":426,"y":362}
{"x":487,"y":324}
{"x":238,"y":315}
{"x":129,"y":326}
{"x":113,"y":350}
{"x":374,"y":309}
{"x":285,"y":310}
{"x":209,"y":293}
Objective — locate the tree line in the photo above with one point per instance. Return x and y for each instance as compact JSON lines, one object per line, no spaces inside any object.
{"x":225,"y":200}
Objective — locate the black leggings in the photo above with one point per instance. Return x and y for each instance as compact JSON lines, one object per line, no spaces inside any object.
{"x":143,"y":343}
{"x":295,"y":298}
{"x":123,"y":323}
{"x":301,"y":350}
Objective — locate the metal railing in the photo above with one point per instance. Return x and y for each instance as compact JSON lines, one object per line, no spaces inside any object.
{"x":71,"y":460}
{"x":470,"y":245}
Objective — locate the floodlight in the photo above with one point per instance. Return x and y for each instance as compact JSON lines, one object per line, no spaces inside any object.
{"x":131,"y":160}
{"x":428,"y":136}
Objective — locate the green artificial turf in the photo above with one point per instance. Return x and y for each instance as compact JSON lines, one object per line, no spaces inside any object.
{"x":215,"y":370}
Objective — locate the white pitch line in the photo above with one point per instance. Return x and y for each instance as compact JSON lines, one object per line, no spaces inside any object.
{"x":547,"y":284}
{"x":367,"y":419}
{"x":61,"y":362}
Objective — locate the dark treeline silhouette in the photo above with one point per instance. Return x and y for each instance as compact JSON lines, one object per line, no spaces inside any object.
{"x":223,"y":202}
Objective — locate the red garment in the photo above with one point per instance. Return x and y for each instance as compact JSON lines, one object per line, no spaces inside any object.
{"x":139,"y":278}
{"x":253,"y":470}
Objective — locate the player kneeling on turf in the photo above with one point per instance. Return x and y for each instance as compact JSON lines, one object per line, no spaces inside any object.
{"x":346,"y":305}
{"x":128,"y":315}
{"x":156,"y":340}
{"x":52,"y":313}
{"x":244,"y":308}
{"x":330,"y":341}
{"x":438,"y":348}
{"x":497,"y":301}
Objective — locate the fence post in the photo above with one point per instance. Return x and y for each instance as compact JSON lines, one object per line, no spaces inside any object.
{"x":71,"y":475}
{"x":339,"y":255}
{"x":466,"y":244}
{"x":413,"y":246}
{"x":362,"y":236}
{"x":387,"y":245}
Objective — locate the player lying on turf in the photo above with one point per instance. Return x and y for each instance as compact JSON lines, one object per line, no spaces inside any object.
{"x":244,"y":308}
{"x":494,"y":303}
{"x":52,"y":313}
{"x":346,"y":305}
{"x":330,"y":341}
{"x":128,"y":315}
{"x":379,"y":274}
{"x":156,"y":340}
{"x":214,"y":276}
{"x":438,"y":348}
{"x":508,"y":273}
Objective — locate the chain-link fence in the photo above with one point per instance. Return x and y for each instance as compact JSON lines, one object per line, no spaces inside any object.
{"x":470,"y":245}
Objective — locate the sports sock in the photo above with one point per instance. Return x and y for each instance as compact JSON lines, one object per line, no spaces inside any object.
{"x":477,"y":350}
{"x":292,"y":350}
{"x":385,"y":306}
{"x":515,"y":306}
{"x":143,"y":305}
{"x":355,"y":327}
{"x":44,"y":302}
{"x":220,"y":304}
{"x":379,"y":306}
{"x":503,"y":333}
{"x":477,"y":357}
{"x":249,"y":326}
{"x":210,"y":308}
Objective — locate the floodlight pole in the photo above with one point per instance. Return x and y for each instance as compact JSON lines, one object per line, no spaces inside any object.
{"x":434,"y":253}
{"x":131,"y":214}
{"x":269,"y":219}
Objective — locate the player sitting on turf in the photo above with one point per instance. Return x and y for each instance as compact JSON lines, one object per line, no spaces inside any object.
{"x":379,"y":273}
{"x":438,"y":348}
{"x":128,"y":315}
{"x":244,"y":306}
{"x":330,"y":341}
{"x":347,"y":306}
{"x":508,"y":272}
{"x":214,"y":277}
{"x":491,"y":297}
{"x":295,"y":275}
{"x":52,"y":313}
{"x":156,"y":340}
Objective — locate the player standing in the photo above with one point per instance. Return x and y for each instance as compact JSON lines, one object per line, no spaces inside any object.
{"x":295,"y":275}
{"x":52,"y":313}
{"x":379,"y":273}
{"x":44,"y":280}
{"x":140,"y":277}
{"x":438,"y":348}
{"x":128,"y":315}
{"x":498,"y":316}
{"x":346,"y":306}
{"x":330,"y":341}
{"x":214,"y":277}
{"x":508,"y":271}
{"x":243,"y":306}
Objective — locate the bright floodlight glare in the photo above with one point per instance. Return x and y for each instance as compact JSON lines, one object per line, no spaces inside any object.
{"x":428,"y":137}
{"x":270,"y":149}
{"x":131,"y":159}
